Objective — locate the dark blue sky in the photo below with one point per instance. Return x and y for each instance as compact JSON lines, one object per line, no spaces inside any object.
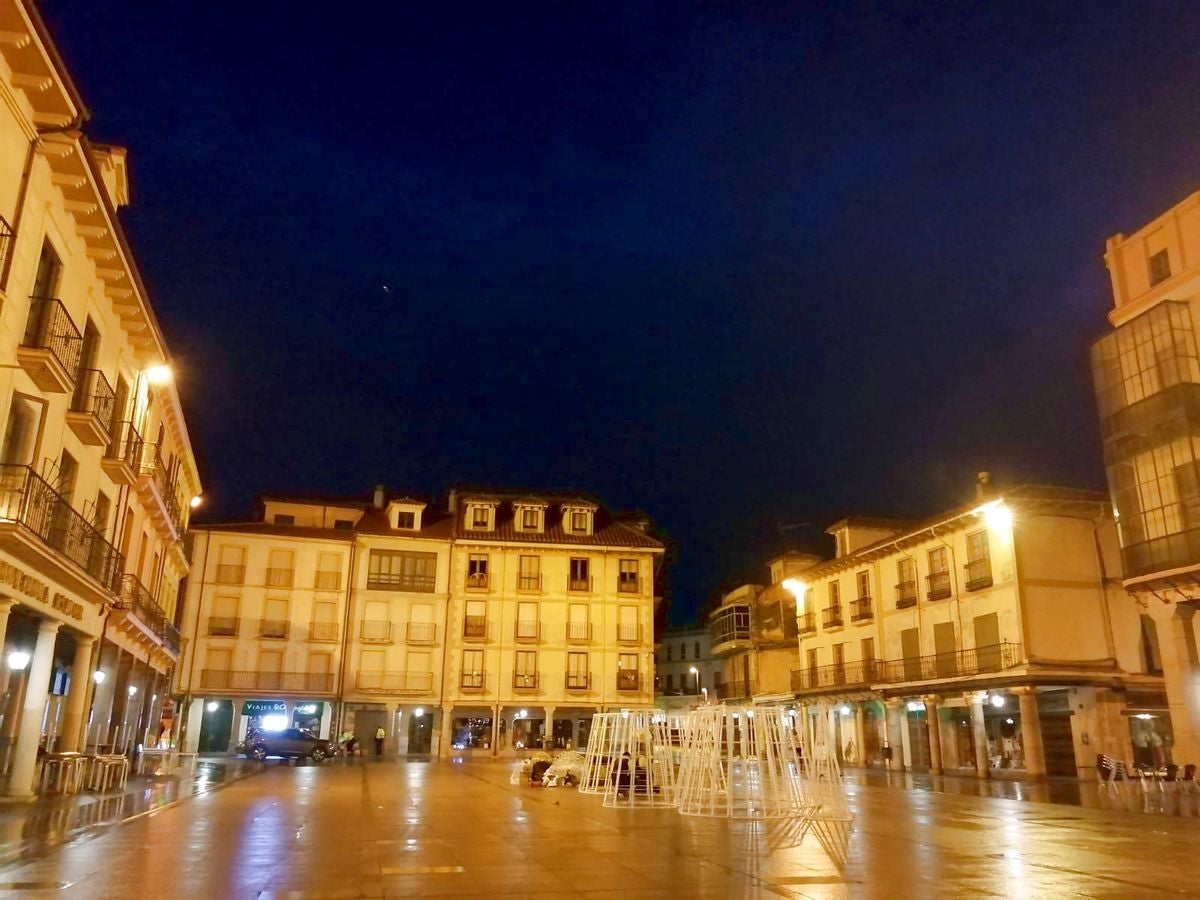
{"x":736,"y":265}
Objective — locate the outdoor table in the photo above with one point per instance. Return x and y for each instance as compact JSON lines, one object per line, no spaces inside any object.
{"x":63,"y":772}
{"x":157,"y":757}
{"x":108,"y":772}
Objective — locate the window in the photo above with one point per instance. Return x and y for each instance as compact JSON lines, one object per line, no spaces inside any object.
{"x":479,"y":517}
{"x":696,"y":651}
{"x":977,"y":546}
{"x":525,"y":669}
{"x":979,"y":565}
{"x":527,"y":626}
{"x":868,"y":648}
{"x":22,"y":430}
{"x":100,"y":513}
{"x":939,"y":560}
{"x":627,"y":576}
{"x":402,"y":570}
{"x":864,"y":584}
{"x":406,"y":520}
{"x":472,"y":670}
{"x":905,"y":570}
{"x":627,"y":672}
{"x":284,"y":520}
{"x":579,"y":522}
{"x":343,"y":524}
{"x":580,"y":574}
{"x":45,"y":282}
{"x":530,"y":519}
{"x":477,"y":570}
{"x":682,"y":650}
{"x":906,"y":582}
{"x":670,"y":683}
{"x":835,"y":593}
{"x":1151,"y":658}
{"x":669,"y":653}
{"x":529,"y":573}
{"x":1160,"y":267}
{"x":577,"y":671}
{"x":68,"y":472}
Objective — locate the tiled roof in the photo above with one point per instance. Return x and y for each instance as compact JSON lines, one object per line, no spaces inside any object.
{"x":606,"y":531}
{"x":434,"y":525}
{"x":300,"y":531}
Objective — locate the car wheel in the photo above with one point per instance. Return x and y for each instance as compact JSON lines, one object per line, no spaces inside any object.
{"x":317,"y":755}
{"x":259,"y":753}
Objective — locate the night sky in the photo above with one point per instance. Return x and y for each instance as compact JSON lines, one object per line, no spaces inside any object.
{"x":742,"y":267}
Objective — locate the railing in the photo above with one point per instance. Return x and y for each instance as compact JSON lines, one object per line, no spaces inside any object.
{"x":471,"y":681}
{"x":629,"y":584}
{"x":154,"y":467}
{"x":227,"y":680}
{"x":402,"y":581}
{"x":421,"y":632}
{"x":279,"y":577}
{"x":526,"y":631}
{"x":578,"y":681}
{"x":477,"y":581}
{"x":94,"y":396}
{"x":327,"y":581}
{"x":906,"y":594}
{"x":954,"y":664}
{"x":126,"y":445}
{"x":628,"y":633}
{"x":579,"y":632}
{"x":579,"y":584}
{"x":529,"y":582}
{"x":862,"y":611}
{"x":139,"y":601}
{"x":806,"y":623}
{"x":836,"y":675}
{"x":50,"y":328}
{"x":273,"y":628}
{"x":832,"y":617}
{"x":29,"y":501}
{"x":375,"y":631}
{"x":396,"y":682}
{"x":733,"y":690}
{"x":979,"y":574}
{"x":628,"y":680}
{"x":323,"y":631}
{"x":525,"y":681}
{"x":475,"y":627}
{"x":939,"y":585}
{"x":222,"y":626}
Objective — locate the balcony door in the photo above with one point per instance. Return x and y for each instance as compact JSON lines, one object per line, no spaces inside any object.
{"x":21,"y":431}
{"x":945,"y":647}
{"x":418,"y":668}
{"x":910,"y":649}
{"x":270,"y":669}
{"x":987,"y":642}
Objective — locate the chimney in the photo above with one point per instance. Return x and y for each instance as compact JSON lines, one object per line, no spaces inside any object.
{"x":983,"y":487}
{"x":379,"y":495}
{"x":452,"y":502}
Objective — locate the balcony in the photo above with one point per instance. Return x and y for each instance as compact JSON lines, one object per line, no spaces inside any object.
{"x":151,"y":620}
{"x":280,"y":577}
{"x":831,"y":617}
{"x":579,"y":681}
{"x":580,"y":585}
{"x":227,"y":574}
{"x":374,"y":631}
{"x":49,"y":351}
{"x":156,"y":487}
{"x":734,"y":690}
{"x":628,"y":680}
{"x":836,"y":675}
{"x":92,"y":406}
{"x":327,"y":581}
{"x":420,"y":633}
{"x":323,"y":631}
{"x":123,"y":458}
{"x":38,"y":525}
{"x":979,"y":574}
{"x":862,"y":610}
{"x":222,"y":626}
{"x":281,"y":682}
{"x":527,"y":632}
{"x":806,"y":623}
{"x":529,"y":583}
{"x":579,"y":632}
{"x":525,"y":681}
{"x":471,"y":682}
{"x":939,"y":586}
{"x":628,"y":633}
{"x":477,"y":581}
{"x":630,"y":584}
{"x":395,"y":682}
{"x":953,"y":664}
{"x":729,"y":628}
{"x":475,"y":628}
{"x":276,"y":629}
{"x":402,"y":581}
{"x":906,"y":594}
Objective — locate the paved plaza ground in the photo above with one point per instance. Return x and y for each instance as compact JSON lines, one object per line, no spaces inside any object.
{"x":414,"y":829}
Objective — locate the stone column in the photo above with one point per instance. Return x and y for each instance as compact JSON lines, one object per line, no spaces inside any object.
{"x":979,"y":730}
{"x":905,"y":736}
{"x":443,"y":748}
{"x":1181,"y":677}
{"x":548,"y":733}
{"x":860,"y":714}
{"x":20,"y":782}
{"x":893,"y":714}
{"x":1031,"y":732}
{"x":6,"y":606}
{"x":935,"y":734}
{"x":77,"y":692}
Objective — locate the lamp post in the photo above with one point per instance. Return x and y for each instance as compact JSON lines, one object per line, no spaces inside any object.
{"x":696,"y":672}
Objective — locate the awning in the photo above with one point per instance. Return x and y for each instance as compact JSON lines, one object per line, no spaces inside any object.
{"x":264,"y":708}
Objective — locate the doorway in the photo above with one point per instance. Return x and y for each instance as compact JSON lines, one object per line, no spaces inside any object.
{"x":420,"y":734}
{"x":215,"y":726}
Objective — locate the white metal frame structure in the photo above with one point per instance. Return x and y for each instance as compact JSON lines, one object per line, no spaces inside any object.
{"x":642,"y":769}
{"x":597,"y":760}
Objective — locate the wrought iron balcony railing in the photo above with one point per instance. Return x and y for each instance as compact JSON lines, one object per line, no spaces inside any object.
{"x":231,"y":680}
{"x":477,"y":581}
{"x":273,"y":628}
{"x":862,"y":610}
{"x":280,"y":577}
{"x":806,"y":623}
{"x":26,"y":499}
{"x":223,"y":626}
{"x":49,"y":327}
{"x":979,"y":574}
{"x":472,"y":681}
{"x":836,"y":675}
{"x":733,"y":690}
{"x":155,"y":468}
{"x":421,"y":632}
{"x":322,"y":631}
{"x":629,"y":585}
{"x":375,"y":631}
{"x":580,"y":585}
{"x":953,"y":664}
{"x":906,"y":594}
{"x":230,"y":574}
{"x":579,"y":632}
{"x":137,"y":599}
{"x":628,"y":633}
{"x":475,"y":628}
{"x":832,"y":617}
{"x":327,"y":581}
{"x":395,"y":682}
{"x":628,"y":680}
{"x":527,"y":632}
{"x":578,"y":681}
{"x":94,"y":397}
{"x":525,"y":681}
{"x":939,"y":585}
{"x":123,"y":458}
{"x":529,"y":582}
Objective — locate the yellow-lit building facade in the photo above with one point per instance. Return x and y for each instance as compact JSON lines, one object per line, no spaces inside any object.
{"x":493,"y":624}
{"x":96,"y":467}
{"x":1147,"y":377}
{"x":994,"y":637}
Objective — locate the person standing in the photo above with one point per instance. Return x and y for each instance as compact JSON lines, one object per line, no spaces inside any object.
{"x":380,"y":734}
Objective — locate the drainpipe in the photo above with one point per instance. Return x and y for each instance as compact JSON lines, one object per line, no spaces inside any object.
{"x":445,"y":648}
{"x":340,"y":692}
{"x":196,"y":628}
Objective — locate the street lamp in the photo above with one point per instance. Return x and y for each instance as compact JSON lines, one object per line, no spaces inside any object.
{"x":159,"y":374}
{"x":696,"y":672}
{"x":132,"y":689}
{"x":212,"y":706}
{"x":99,"y":675}
{"x":18,"y":660}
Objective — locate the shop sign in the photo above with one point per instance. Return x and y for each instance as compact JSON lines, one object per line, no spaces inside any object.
{"x":38,"y":590}
{"x":67,"y":606}
{"x":264,"y":708}
{"x":309,"y":708}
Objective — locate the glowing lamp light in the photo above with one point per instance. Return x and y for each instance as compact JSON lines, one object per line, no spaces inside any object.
{"x":306,"y":709}
{"x":132,"y":689}
{"x":419,"y":712}
{"x":915,"y":706}
{"x":99,"y":675}
{"x":212,"y":706}
{"x":996,"y":515}
{"x":274,"y":723}
{"x":845,"y":710}
{"x":160,"y":374}
{"x":1008,"y":721}
{"x":798,"y":588}
{"x":195,"y":501}
{"x":18,"y":660}
{"x":522,"y":714}
{"x":1143,"y":716}
{"x":997,"y":701}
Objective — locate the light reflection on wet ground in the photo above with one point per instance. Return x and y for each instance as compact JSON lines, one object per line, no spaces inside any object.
{"x":29,"y":829}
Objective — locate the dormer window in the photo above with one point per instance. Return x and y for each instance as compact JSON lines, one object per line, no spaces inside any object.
{"x":579,"y":522}
{"x":406,"y":519}
{"x":577,"y":517}
{"x":529,"y":519}
{"x":404,"y":514}
{"x":479,"y":517}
